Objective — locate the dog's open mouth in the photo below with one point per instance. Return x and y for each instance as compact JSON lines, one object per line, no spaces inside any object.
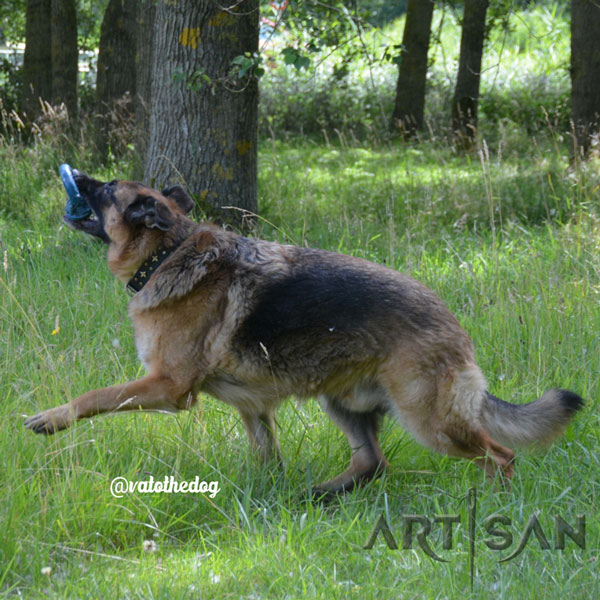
{"x":90,"y":225}
{"x":85,"y":187}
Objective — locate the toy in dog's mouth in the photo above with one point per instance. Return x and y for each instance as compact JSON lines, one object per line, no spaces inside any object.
{"x":78,"y":213}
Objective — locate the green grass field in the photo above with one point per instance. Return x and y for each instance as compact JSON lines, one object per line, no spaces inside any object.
{"x":510,"y":240}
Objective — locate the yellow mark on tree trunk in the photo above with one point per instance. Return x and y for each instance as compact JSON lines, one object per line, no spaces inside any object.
{"x":243,"y":147}
{"x":223,"y":173}
{"x":190,"y":36}
{"x":222,"y":19}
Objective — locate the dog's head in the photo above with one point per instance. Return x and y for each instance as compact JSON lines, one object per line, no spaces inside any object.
{"x":131,"y":218}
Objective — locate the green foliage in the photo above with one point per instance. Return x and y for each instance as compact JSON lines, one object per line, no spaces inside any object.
{"x":12,"y":21}
{"x":382,"y":12}
{"x":393,"y":54}
{"x":312,"y":27}
{"x":525,"y":80}
{"x":247,"y":65}
{"x":195,"y":81}
{"x":323,"y":25}
{"x":293,"y":57}
{"x":89,"y":18}
{"x":242,"y":67}
{"x":10,"y":86}
{"x":311,"y":102}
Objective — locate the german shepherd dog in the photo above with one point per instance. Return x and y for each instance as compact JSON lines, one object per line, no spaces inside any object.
{"x":252,"y":322}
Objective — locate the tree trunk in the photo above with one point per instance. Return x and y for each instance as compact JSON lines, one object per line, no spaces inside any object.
{"x":143,"y":83}
{"x":203,"y":121}
{"x":116,"y":77}
{"x":410,"y":89}
{"x":64,"y":55}
{"x":37,"y":61}
{"x":585,"y":72}
{"x":466,"y":92}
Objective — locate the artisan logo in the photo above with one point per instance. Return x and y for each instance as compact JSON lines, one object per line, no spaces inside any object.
{"x":418,"y":528}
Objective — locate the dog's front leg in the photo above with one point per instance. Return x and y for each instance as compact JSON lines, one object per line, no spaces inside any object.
{"x":153,"y":392}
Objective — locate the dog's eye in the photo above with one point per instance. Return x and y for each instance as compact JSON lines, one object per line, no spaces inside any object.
{"x":109,"y":190}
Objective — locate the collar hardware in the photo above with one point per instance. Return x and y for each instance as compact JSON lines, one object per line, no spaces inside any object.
{"x":147,"y":268}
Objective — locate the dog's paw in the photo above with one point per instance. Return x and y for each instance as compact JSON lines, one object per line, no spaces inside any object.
{"x":51,"y":420}
{"x":324,"y":496}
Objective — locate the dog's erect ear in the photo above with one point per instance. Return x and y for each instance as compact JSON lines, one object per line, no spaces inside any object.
{"x":150,"y":212}
{"x":177,"y":193}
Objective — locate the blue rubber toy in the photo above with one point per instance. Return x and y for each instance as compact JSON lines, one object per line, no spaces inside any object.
{"x":77,"y":208}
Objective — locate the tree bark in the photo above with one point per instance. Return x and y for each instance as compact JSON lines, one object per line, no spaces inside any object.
{"x":143,"y":82}
{"x":409,"y":105}
{"x":64,"y":55}
{"x":116,"y":77}
{"x":466,"y":92}
{"x":203,"y":121}
{"x":37,"y":61}
{"x":585,"y":72}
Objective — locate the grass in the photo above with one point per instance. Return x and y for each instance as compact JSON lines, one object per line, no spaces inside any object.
{"x":508,"y":237}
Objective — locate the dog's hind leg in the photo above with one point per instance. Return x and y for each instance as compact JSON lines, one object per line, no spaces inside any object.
{"x":367,"y":459}
{"x":261,"y":431}
{"x":486,"y":453}
{"x":443,"y":412}
{"x":460,"y":395}
{"x":153,"y":392}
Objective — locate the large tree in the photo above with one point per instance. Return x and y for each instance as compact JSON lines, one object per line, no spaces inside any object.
{"x":585,"y":71}
{"x":50,"y":61}
{"x":37,"y":62}
{"x":64,"y":55}
{"x":116,"y":76}
{"x":143,"y":82}
{"x":466,"y":92}
{"x":409,"y":105}
{"x":203,"y":120}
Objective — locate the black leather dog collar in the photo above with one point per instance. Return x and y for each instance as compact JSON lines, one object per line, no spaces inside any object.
{"x":139,"y":280}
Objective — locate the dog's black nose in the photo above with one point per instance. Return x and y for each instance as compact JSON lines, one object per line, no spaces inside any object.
{"x":77,"y":175}
{"x":85,"y":183}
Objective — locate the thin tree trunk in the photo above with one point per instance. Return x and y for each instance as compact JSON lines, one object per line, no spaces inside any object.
{"x":143,"y":82}
{"x":409,"y":106}
{"x":65,"y":55}
{"x":116,"y":77}
{"x":203,"y":122}
{"x":585,"y":72}
{"x":37,"y":61}
{"x":466,"y":92}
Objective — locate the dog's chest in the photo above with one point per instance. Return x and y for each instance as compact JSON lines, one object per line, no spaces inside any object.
{"x":145,"y":346}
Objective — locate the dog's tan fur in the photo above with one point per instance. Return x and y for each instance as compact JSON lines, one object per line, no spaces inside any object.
{"x":252,"y":322}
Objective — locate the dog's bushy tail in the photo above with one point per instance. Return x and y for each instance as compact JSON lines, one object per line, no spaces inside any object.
{"x":538,"y":422}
